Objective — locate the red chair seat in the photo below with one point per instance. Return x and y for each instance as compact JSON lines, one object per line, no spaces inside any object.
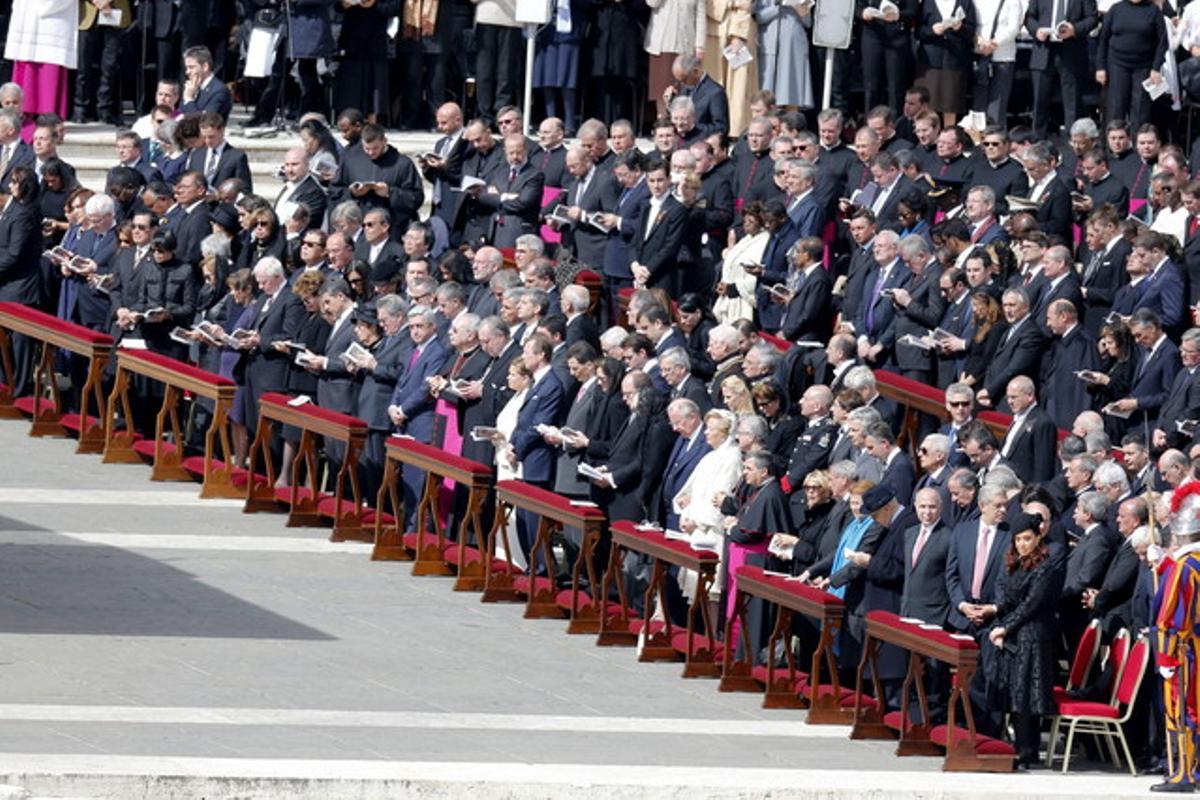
{"x":845,"y":700}
{"x":700,"y":644}
{"x":636,"y":625}
{"x":409,"y":540}
{"x":521,"y":584}
{"x":759,"y":673}
{"x":563,"y":599}
{"x":471,"y":555}
{"x":325,"y":506}
{"x":894,"y":720}
{"x":284,"y":494}
{"x":71,"y":422}
{"x":1084,"y":708}
{"x":984,"y":745}
{"x":369,"y":515}
{"x":145,"y":447}
{"x":24,"y":404}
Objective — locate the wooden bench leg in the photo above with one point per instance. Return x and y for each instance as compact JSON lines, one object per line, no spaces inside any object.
{"x":736,"y":675}
{"x":302,"y":504}
{"x":47,"y":411}
{"x":541,"y":601}
{"x":260,"y":487}
{"x":7,"y":409}
{"x":471,"y":577}
{"x":656,"y":643}
{"x":218,"y":480}
{"x":498,"y":584}
{"x":91,"y":434}
{"x":389,"y":539}
{"x":585,"y":617}
{"x":348,"y":514}
{"x":118,"y":443}
{"x":429,"y":544}
{"x":781,"y":682}
{"x":868,"y":716}
{"x":168,"y":457}
{"x":700,"y":661}
{"x":614,"y":628}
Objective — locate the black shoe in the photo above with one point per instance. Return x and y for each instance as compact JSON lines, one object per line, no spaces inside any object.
{"x":110,"y":118}
{"x":82,"y":118}
{"x":1179,"y":788}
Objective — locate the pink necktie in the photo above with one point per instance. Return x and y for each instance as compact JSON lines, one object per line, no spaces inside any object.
{"x":922,"y":538}
{"x":982,"y":546}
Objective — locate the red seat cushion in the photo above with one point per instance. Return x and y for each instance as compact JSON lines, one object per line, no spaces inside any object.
{"x":636,"y":625}
{"x":284,"y":494}
{"x":759,"y":673}
{"x":146,"y":447}
{"x":409,"y":540}
{"x":894,"y":720}
{"x":540,"y":584}
{"x":584,"y":600}
{"x":369,"y":515}
{"x":1084,"y":708}
{"x":24,"y":404}
{"x":50,"y":321}
{"x":159,"y":360}
{"x":984,"y":745}
{"x":325,"y":506}
{"x":700,"y":644}
{"x":845,"y":700}
{"x":71,"y":422}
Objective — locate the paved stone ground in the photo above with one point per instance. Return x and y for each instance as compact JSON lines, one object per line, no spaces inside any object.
{"x":156,"y":645}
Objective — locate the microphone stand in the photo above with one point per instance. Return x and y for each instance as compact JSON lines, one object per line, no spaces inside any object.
{"x":279,"y":121}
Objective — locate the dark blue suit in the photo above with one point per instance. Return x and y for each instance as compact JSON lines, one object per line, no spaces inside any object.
{"x":78,"y":301}
{"x":960,"y":569}
{"x":882,"y":328}
{"x":412,"y":395}
{"x":542,"y":406}
{"x":1154,"y":376}
{"x":213,"y":97}
{"x":807,"y":216}
{"x":1163,"y":294}
{"x":679,"y":468}
{"x":775,"y":270}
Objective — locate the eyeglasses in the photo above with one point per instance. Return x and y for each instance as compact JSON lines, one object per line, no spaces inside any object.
{"x":310,"y":244}
{"x":371,"y":224}
{"x":262,"y":223}
{"x":811,"y":487}
{"x":921,"y":451}
{"x":140,"y":226}
{"x":992,"y":144}
{"x":958,"y":403}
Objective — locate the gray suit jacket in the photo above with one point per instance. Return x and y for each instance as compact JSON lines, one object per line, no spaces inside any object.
{"x":337,"y":389}
{"x":567,"y":480}
{"x":925,"y":596}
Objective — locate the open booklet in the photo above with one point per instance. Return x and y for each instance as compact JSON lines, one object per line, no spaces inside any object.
{"x":590,"y":472}
{"x":1112,"y":410}
{"x":470,"y":182}
{"x":355,"y":354}
{"x":886,"y":9}
{"x":483,"y":433}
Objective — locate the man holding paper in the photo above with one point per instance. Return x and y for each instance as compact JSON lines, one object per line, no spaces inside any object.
{"x":1060,"y":31}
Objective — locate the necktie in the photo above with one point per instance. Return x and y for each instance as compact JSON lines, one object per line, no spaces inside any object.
{"x":1093,"y":265}
{"x":416,"y":353}
{"x":983,"y":546}
{"x":922,"y":538}
{"x":624,"y":197}
{"x":862,"y":179}
{"x":5,"y":155}
{"x":210,"y":167}
{"x":1193,"y":226}
{"x":512,"y":175}
{"x":875,"y":290}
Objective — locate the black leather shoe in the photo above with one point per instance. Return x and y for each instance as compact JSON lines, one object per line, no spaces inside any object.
{"x":1178,"y":788}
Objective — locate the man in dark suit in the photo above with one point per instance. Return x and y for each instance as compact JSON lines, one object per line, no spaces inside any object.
{"x":217,"y":159}
{"x":1157,"y":364}
{"x":887,"y":188}
{"x":957,"y":320}
{"x":337,"y":387}
{"x":898,"y":471}
{"x":803,"y":208}
{"x":1058,"y":269}
{"x":1111,"y":600}
{"x":716,"y":192}
{"x":543,"y":406}
{"x":412,"y":406}
{"x":193,"y":224}
{"x":926,"y":550}
{"x":472,"y":221}
{"x":1020,"y":350}
{"x":774,"y":265}
{"x":659,"y":234}
{"x":377,"y":248}
{"x":809,"y":312}
{"x":203,"y":91}
{"x":919,"y":309}
{"x":377,"y":175}
{"x":130,"y":154}
{"x":1053,"y":211}
{"x":708,"y":96}
{"x":1032,"y":439}
{"x":1183,"y":399}
{"x":690,"y":446}
{"x":549,"y":154}
{"x":514,"y":196}
{"x":933,"y":457}
{"x":1060,"y":33}
{"x":276,"y":317}
{"x":675,"y":366}
{"x":300,"y":188}
{"x":14,"y":151}
{"x":80,"y":300}
{"x":1101,"y":186}
{"x":874,"y":322}
{"x":1087,"y":562}
{"x":381,"y":369}
{"x":1162,"y":289}
{"x":1071,"y":350}
{"x":587,"y":192}
{"x":492,"y":391}
{"x":444,"y":170}
{"x":632,"y":202}
{"x":754,"y":167}
{"x":1104,"y":266}
{"x":813,"y":447}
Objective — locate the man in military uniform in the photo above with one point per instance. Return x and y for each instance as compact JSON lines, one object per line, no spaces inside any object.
{"x":813,"y":445}
{"x":1176,"y":618}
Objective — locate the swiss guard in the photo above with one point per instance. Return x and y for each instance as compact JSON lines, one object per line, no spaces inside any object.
{"x":1177,"y":631}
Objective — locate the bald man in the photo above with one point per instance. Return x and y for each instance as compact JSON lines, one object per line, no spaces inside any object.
{"x":300,"y":188}
{"x":443,"y":166}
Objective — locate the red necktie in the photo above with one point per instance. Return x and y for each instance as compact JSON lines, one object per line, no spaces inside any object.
{"x":1193,"y":226}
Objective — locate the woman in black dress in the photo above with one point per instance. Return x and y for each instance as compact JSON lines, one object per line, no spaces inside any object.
{"x":990,"y":328}
{"x":1024,"y":635}
{"x":695,"y":321}
{"x":266,"y":239}
{"x":313,"y":333}
{"x":367,"y":51}
{"x":1114,"y":379}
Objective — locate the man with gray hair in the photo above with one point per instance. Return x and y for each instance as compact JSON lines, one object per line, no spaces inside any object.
{"x":14,"y":151}
{"x":711,"y":106}
{"x":580,"y":327}
{"x":276,"y":317}
{"x":612,"y":342}
{"x":862,"y":380}
{"x":963,"y":486}
{"x":874,"y":320}
{"x":934,"y":458}
{"x":1061,"y":283}
{"x":1183,"y":399}
{"x":1111,"y":600}
{"x":1051,"y":195}
{"x":1020,"y":352}
{"x":856,"y":424}
{"x":676,"y":369}
{"x":723,"y":349}
{"x":347,"y":217}
{"x":1088,"y":560}
{"x":690,"y":446}
{"x":1032,"y":440}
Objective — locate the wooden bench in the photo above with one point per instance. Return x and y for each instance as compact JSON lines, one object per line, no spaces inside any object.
{"x":701,"y":652}
{"x":919,"y":398}
{"x":45,"y":405}
{"x":123,"y":446}
{"x":505,"y":581}
{"x":429,"y":547}
{"x":784,"y":686}
{"x":965,"y":750}
{"x":308,"y":507}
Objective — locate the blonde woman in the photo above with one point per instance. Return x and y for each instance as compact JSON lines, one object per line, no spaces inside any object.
{"x":717,"y":472}
{"x":735,"y":288}
{"x":736,"y":395}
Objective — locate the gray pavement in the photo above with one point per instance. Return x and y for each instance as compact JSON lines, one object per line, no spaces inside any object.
{"x":155,"y":645}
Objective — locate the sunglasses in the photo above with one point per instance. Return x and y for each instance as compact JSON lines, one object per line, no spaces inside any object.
{"x":310,"y":244}
{"x":371,"y":224}
{"x":140,"y":226}
{"x":262,"y":223}
{"x":958,"y":403}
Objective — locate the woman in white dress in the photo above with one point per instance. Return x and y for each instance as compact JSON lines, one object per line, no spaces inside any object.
{"x":507,"y":466}
{"x":716,"y":475}
{"x":735,"y":291}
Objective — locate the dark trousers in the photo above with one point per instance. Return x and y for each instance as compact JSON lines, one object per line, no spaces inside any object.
{"x":496,"y":67}
{"x":527,"y":529}
{"x":275,"y":94}
{"x":1060,"y":71}
{"x":1126,"y":99}
{"x":98,"y":76}
{"x":170,"y":63}
{"x":993,"y":86}
{"x":885,"y":60}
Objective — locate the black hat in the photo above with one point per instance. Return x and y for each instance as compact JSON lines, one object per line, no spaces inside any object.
{"x":226,"y":216}
{"x":385,"y":271}
{"x":876,"y":498}
{"x":944,"y":186}
{"x":1026,"y":522}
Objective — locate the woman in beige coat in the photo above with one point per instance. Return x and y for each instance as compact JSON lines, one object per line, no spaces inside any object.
{"x":731,"y":24}
{"x":676,"y":27}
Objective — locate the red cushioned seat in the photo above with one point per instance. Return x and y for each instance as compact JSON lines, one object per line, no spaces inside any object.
{"x":635,"y":626}
{"x":24,"y":404}
{"x":284,"y":494}
{"x":759,"y":673}
{"x":845,"y":700}
{"x":984,"y":745}
{"x":145,"y":447}
{"x":1084,"y":708}
{"x":540,"y":584}
{"x":409,"y":540}
{"x":325,"y":506}
{"x":700,"y":644}
{"x":54,"y":323}
{"x":563,"y":599}
{"x":195,"y":464}
{"x":71,"y":422}
{"x":471,"y":555}
{"x":369,"y":515}
{"x":309,"y":409}
{"x":175,"y":365}
{"x":894,"y":720}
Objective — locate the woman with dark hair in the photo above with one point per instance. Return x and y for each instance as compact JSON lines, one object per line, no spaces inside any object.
{"x":913,"y":213}
{"x":1114,"y":379}
{"x":359,"y":279}
{"x":21,"y":244}
{"x":692,"y":260}
{"x":454,"y":266}
{"x":695,"y":321}
{"x":604,"y":425}
{"x":58,"y":181}
{"x":168,"y":298}
{"x":321,"y":147}
{"x":1024,"y":634}
{"x":266,"y":239}
{"x":313,"y":333}
{"x":236,"y":310}
{"x":990,"y":328}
